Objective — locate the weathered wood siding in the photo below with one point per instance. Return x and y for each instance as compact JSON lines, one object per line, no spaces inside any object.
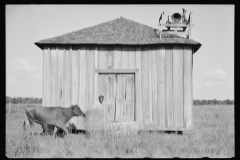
{"x":46,"y":76}
{"x":177,"y":85}
{"x":60,"y":73}
{"x":82,"y":83}
{"x":188,"y":103}
{"x":162,"y":84}
{"x":74,"y":77}
{"x":67,"y":77}
{"x":161,"y":87}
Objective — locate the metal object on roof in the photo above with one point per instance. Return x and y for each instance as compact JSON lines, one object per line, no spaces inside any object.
{"x":176,"y":27}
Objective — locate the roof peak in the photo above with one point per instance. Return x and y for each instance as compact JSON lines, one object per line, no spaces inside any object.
{"x":122,"y":17}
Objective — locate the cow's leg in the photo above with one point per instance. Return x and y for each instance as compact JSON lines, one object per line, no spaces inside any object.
{"x":61,"y":125}
{"x":25,"y":124}
{"x":31,"y":122}
{"x":54,"y":132}
{"x":45,"y":129}
{"x":26,"y":121}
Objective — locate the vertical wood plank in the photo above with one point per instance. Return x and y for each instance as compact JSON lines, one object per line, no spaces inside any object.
{"x":70,"y":67}
{"x":46,"y":76}
{"x":106,"y":87}
{"x":154,"y":84}
{"x":130,"y":97}
{"x":131,"y":57}
{"x":161,"y":63}
{"x":192,"y":111}
{"x":75,"y":79}
{"x":67,"y":78}
{"x":177,"y":84}
{"x":124,"y":57}
{"x":79,"y":74}
{"x":117,"y":57}
{"x":188,"y":117}
{"x":138,"y":85}
{"x":56,"y":78}
{"x":150,"y":84}
{"x":96,"y":74}
{"x":91,"y":76}
{"x":87,"y":79}
{"x":118,"y":96}
{"x":75,"y":72}
{"x":110,"y":57}
{"x":133,"y":110}
{"x":145,"y":85}
{"x":124,"y":93}
{"x":111,"y":95}
{"x":100,"y":82}
{"x":82,"y":93}
{"x":115,"y":97}
{"x":53,"y":75}
{"x":120,"y":81}
{"x":43,"y":80}
{"x":128,"y":93}
{"x":102,"y":60}
{"x":169,"y":94}
{"x":132,"y":65}
{"x":60,"y":76}
{"x":49,"y":102}
{"x":181,"y":97}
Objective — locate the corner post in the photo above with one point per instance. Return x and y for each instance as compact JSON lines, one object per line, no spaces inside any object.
{"x":190,"y":25}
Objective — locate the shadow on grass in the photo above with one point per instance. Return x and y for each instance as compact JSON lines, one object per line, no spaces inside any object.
{"x":60,"y":133}
{"x":161,"y":132}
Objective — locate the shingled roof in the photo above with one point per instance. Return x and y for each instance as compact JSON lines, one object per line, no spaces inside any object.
{"x":120,"y":31}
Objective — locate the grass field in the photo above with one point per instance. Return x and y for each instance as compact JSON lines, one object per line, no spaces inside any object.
{"x":213,"y":136}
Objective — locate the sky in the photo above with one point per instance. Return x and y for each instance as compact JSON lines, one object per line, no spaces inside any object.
{"x":213,"y":63}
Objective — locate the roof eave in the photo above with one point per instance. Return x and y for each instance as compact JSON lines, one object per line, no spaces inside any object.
{"x":196,"y":47}
{"x":41,"y":45}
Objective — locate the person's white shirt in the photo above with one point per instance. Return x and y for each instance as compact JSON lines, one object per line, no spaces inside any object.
{"x":97,"y":105}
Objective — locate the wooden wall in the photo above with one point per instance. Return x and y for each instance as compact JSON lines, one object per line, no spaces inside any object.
{"x":164,"y":80}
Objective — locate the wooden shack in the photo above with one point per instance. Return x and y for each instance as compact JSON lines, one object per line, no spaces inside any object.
{"x":146,"y":81}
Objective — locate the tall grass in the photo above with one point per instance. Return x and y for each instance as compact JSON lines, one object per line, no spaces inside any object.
{"x":213,"y":136}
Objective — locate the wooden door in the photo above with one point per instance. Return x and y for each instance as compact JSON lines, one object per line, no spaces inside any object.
{"x":107,"y":88}
{"x":125,"y":97}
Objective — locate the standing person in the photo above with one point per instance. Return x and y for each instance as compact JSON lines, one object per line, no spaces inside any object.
{"x":99,"y":103}
{"x":95,"y":116}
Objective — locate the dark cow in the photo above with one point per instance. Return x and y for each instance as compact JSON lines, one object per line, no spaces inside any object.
{"x":49,"y":129}
{"x":54,"y":116}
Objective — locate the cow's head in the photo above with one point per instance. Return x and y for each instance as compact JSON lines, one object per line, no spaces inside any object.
{"x":77,"y":111}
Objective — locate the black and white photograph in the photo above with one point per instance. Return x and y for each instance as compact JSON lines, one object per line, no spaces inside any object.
{"x":119,"y":81}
